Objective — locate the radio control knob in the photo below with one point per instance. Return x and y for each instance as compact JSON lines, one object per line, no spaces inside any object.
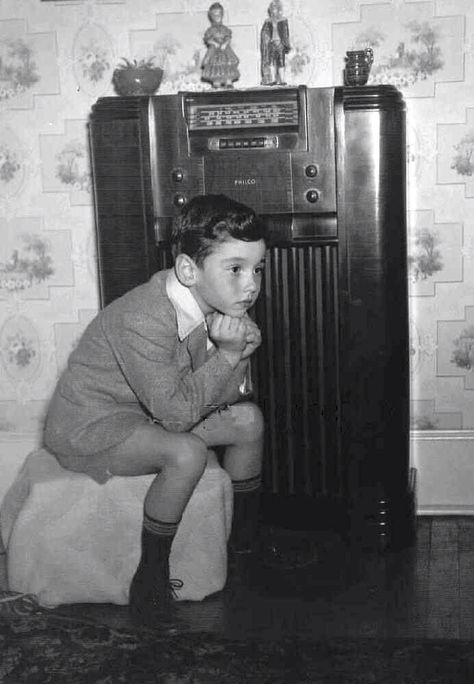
{"x":177,"y":175}
{"x":311,"y":170}
{"x":179,"y":201}
{"x":312,"y":196}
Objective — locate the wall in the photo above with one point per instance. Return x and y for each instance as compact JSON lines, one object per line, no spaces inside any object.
{"x":57,"y":58}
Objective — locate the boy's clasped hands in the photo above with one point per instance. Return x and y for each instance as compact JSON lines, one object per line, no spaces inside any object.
{"x":236,"y":337}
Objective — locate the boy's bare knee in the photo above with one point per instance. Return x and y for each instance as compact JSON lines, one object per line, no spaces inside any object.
{"x":190,"y":454}
{"x":249,"y":420}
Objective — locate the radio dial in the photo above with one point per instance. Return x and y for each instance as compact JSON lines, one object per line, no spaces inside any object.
{"x":311,"y":170}
{"x":312,"y":196}
{"x":177,"y":175}
{"x":179,"y":201}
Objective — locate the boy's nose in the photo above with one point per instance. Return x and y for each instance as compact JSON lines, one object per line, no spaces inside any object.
{"x":251,"y":285}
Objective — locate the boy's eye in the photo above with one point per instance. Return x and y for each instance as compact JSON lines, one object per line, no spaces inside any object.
{"x":259,"y":270}
{"x":235,"y":269}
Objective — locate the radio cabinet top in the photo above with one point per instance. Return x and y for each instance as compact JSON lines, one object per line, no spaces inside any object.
{"x":279,"y":150}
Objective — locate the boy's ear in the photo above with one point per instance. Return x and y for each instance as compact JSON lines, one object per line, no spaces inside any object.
{"x":185,"y":269}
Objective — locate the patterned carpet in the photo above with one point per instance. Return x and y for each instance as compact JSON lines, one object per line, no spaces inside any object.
{"x":42,"y":648}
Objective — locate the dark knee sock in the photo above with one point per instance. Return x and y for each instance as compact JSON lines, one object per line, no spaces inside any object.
{"x":151,"y":591}
{"x":157,"y":538}
{"x":246,"y":515}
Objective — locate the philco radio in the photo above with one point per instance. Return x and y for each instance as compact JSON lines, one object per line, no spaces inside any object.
{"x":325,"y":167}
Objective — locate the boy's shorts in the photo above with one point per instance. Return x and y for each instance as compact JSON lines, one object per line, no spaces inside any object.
{"x":216,"y":427}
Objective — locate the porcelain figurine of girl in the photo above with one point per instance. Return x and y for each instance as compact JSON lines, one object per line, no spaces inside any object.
{"x":220,"y":62}
{"x":274,"y":45}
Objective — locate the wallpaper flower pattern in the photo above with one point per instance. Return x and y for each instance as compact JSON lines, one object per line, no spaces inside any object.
{"x":57,"y":58}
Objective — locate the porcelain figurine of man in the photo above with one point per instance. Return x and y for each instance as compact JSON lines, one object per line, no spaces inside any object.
{"x":274,"y":45}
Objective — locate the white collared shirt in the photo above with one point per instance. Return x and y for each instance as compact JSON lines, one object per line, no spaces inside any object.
{"x":188,"y":312}
{"x":189,"y":317}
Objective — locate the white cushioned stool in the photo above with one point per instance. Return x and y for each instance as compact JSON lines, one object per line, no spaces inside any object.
{"x":71,"y":540}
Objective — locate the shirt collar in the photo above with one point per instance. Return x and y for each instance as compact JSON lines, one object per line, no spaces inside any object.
{"x":188,"y":313}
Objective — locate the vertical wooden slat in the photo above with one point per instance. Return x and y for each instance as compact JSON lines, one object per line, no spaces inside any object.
{"x":303,"y":303}
{"x":320,"y":355}
{"x":284,"y":325}
{"x":269,"y":378}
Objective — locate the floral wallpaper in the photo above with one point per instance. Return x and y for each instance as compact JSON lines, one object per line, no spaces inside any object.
{"x":57,"y":58}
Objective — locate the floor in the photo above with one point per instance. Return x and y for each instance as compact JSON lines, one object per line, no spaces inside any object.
{"x":424,"y":591}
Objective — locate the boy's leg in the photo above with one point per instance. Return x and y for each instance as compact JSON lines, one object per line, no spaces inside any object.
{"x":179,"y":460}
{"x":240,"y":429}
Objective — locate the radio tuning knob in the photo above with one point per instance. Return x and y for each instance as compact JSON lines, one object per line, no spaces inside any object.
{"x":179,"y":201}
{"x":177,"y":175}
{"x":312,"y":196}
{"x":311,"y":170}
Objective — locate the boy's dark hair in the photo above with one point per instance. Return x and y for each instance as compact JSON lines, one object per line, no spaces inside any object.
{"x":209,"y":219}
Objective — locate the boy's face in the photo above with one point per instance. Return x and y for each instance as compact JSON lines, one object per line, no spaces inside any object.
{"x":229,"y":279}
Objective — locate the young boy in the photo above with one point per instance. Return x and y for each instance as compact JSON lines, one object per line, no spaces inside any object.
{"x":157,"y":378}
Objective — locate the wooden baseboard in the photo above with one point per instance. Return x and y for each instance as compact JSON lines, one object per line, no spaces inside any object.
{"x":444,"y":461}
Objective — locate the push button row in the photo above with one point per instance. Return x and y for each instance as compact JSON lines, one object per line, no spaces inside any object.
{"x":227,"y":143}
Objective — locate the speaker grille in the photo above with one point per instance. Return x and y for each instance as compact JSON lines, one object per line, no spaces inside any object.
{"x":296,"y":371}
